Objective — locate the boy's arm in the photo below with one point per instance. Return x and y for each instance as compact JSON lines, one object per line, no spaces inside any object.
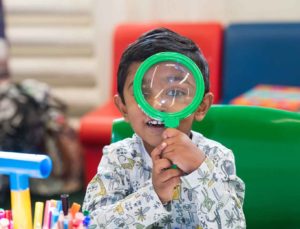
{"x":219,"y":192}
{"x":110,"y":200}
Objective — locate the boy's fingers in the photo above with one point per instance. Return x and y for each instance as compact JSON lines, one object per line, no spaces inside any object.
{"x":170,"y":136}
{"x":174,"y":181}
{"x":161,"y":164}
{"x":170,"y":132}
{"x":156,"y":153}
{"x":170,"y":174}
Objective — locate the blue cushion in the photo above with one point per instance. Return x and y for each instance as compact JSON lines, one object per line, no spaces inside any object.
{"x":258,"y":53}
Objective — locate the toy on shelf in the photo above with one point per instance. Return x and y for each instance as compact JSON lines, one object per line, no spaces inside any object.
{"x":275,"y":96}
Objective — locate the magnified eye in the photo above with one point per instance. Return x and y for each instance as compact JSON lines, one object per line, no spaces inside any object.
{"x":176,"y":92}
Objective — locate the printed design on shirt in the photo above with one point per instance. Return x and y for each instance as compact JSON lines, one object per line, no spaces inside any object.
{"x":176,"y":193}
{"x":190,"y":193}
{"x":119,"y":209}
{"x":98,"y":185}
{"x":215,"y":219}
{"x":228,"y":168}
{"x":208,"y":203}
{"x":203,"y":177}
{"x":126,"y":163}
{"x":141,"y":213}
{"x":121,"y":195}
{"x":167,"y":221}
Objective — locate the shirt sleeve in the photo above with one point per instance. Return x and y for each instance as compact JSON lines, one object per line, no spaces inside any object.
{"x":112,"y":203}
{"x":219,"y":192}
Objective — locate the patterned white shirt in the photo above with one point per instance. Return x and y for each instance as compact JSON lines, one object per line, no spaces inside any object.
{"x":122,"y":195}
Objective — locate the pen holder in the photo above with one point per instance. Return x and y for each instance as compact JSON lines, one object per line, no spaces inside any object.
{"x":19,"y":167}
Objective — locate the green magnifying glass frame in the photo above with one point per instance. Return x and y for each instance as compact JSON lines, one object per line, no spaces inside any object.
{"x":171,"y":120}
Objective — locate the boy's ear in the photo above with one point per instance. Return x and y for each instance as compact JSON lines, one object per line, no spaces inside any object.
{"x":204,"y":106}
{"x":121,"y":106}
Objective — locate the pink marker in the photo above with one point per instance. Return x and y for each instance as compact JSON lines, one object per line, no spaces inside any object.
{"x":46,"y":215}
{"x":77,"y":221}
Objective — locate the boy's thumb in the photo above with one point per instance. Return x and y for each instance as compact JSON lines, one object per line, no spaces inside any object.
{"x":168,"y":133}
{"x":156,"y":153}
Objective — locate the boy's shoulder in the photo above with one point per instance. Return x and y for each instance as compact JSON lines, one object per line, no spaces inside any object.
{"x":208,"y":144}
{"x":123,"y":147}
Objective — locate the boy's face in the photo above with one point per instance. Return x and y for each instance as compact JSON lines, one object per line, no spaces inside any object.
{"x":144,"y":126}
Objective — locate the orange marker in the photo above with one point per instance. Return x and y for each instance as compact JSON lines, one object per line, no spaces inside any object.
{"x":74,"y":209}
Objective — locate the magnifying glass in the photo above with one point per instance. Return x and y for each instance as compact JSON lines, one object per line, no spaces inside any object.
{"x":168,"y":86}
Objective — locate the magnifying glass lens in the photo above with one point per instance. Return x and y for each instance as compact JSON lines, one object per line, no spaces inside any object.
{"x":168,"y":87}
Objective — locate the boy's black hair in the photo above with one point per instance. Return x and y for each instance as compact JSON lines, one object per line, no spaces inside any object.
{"x":160,"y":40}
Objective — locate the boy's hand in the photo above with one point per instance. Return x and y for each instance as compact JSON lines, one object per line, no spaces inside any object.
{"x":164,"y":179}
{"x":181,"y":151}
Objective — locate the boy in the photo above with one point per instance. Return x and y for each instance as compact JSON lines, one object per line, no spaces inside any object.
{"x":134,"y":187}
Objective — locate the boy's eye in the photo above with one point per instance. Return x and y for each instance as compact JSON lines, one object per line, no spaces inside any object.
{"x":146,"y":95}
{"x":176,"y":93}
